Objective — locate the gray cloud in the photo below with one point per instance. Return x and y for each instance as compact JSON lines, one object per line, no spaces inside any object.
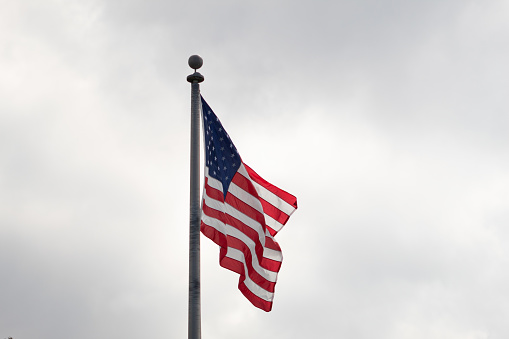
{"x":386,"y":120}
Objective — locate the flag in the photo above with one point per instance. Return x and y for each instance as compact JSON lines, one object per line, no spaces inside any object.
{"x":242,"y":212}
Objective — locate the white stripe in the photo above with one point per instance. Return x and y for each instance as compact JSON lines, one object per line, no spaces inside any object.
{"x":257,"y":290}
{"x":273,"y":199}
{"x":214,"y":183}
{"x":223,"y":207}
{"x":254,"y":202}
{"x":248,"y":199}
{"x":249,"y":242}
{"x":275,"y":255}
{"x":217,"y":224}
{"x":236,"y":254}
{"x":251,"y":285}
{"x":242,"y":170}
{"x":230,"y":230}
{"x":238,"y":192}
{"x":269,"y":253}
{"x":273,"y":223}
{"x":213,"y":203}
{"x":268,"y":195}
{"x":230,"y":210}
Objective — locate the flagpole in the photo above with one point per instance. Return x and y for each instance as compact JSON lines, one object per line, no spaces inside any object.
{"x":194,"y":310}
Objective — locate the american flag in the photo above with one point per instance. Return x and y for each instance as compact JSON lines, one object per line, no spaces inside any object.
{"x":241,"y":212}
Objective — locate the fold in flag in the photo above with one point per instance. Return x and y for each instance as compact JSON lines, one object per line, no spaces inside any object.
{"x":241,"y":212}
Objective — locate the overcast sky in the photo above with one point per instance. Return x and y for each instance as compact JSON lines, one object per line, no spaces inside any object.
{"x":387,"y":119}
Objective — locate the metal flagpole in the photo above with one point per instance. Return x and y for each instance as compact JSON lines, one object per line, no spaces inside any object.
{"x":194,"y":311}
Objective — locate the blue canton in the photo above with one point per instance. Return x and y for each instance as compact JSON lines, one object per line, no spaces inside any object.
{"x":221,"y":156}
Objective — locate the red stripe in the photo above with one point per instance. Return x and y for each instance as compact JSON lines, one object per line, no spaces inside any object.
{"x":237,"y":204}
{"x":228,"y":219}
{"x":272,"y":244}
{"x":213,"y":213}
{"x":238,"y":244}
{"x":266,"y":263}
{"x":271,"y":265}
{"x":213,"y":192}
{"x":290,"y":199}
{"x":226,"y":240}
{"x":254,"y":299}
{"x":244,"y":207}
{"x":245,"y":184}
{"x":237,"y":266}
{"x":268,"y":208}
{"x":210,"y":232}
{"x":233,"y":264}
{"x":274,"y":212}
{"x":271,"y":230}
{"x":233,"y":202}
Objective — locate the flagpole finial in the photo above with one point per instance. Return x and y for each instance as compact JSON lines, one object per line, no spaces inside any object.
{"x":195,"y":62}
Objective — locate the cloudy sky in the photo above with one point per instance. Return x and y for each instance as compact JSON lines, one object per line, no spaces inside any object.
{"x":388,"y":120}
